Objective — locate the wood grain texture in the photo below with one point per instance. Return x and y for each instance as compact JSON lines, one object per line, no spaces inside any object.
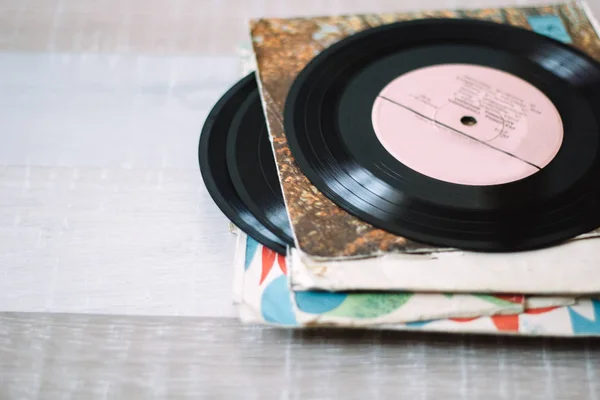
{"x":176,"y":26}
{"x":102,"y":206}
{"x":57,"y":356}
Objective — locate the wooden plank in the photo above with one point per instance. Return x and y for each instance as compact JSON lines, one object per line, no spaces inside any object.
{"x":60,"y":356}
{"x":175,"y":26}
{"x":102,"y":205}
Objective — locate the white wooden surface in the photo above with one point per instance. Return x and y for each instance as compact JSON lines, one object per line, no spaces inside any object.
{"x":81,"y":357}
{"x":102,"y":207}
{"x":103,"y":211}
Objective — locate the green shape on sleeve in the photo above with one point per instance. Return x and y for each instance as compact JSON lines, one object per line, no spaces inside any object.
{"x":369,"y":305}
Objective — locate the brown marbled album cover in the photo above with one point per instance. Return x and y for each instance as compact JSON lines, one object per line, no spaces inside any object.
{"x":284,"y":46}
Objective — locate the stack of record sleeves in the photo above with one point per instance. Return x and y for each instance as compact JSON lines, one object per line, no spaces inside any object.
{"x":435,"y":171}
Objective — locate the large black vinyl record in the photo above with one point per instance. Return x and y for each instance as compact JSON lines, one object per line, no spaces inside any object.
{"x":252,"y":167}
{"x":383,"y":146}
{"x":213,"y":165}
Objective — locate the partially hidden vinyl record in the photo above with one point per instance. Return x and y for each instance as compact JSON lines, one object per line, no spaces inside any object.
{"x":212,"y":151}
{"x":252,"y":168}
{"x":455,"y":133}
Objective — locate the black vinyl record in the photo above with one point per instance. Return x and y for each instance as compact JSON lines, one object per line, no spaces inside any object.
{"x":252,"y":167}
{"x":331,"y":123}
{"x":213,"y":165}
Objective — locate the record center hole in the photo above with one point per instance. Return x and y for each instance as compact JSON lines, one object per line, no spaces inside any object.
{"x":467,"y":120}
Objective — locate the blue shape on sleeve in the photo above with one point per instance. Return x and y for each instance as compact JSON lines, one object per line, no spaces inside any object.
{"x":275,"y":303}
{"x":551,"y":26}
{"x":319,"y":302}
{"x":583,"y":325}
{"x":251,"y":247}
{"x":418,"y":324}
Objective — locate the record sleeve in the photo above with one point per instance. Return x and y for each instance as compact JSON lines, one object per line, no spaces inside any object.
{"x":284,"y":47}
{"x":327,"y":235}
{"x":270,"y":301}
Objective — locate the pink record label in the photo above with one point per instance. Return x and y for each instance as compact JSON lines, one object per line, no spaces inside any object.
{"x":467,"y":124}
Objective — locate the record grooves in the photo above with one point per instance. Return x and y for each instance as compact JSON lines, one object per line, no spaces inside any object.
{"x":212,"y":151}
{"x":548,"y":193}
